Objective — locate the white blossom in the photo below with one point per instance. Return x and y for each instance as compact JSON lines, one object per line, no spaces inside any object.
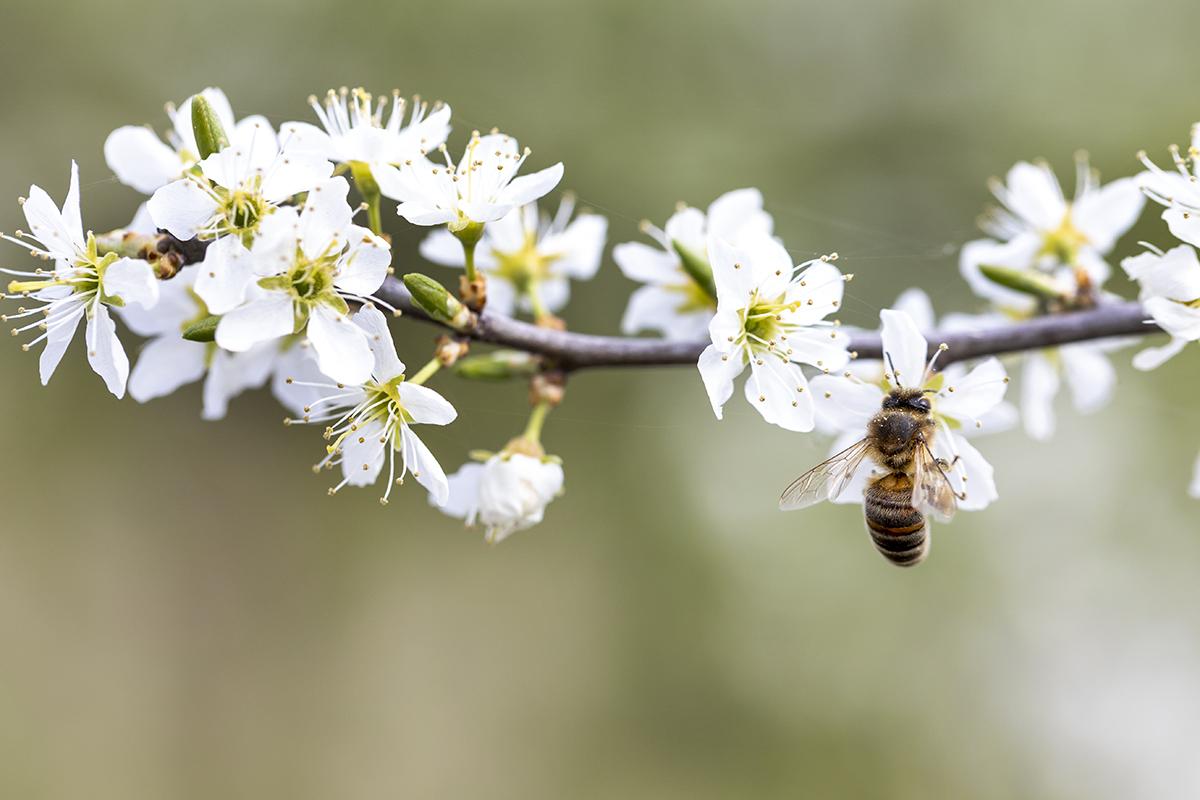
{"x":672,"y":302}
{"x":168,"y":361}
{"x":308,"y":264}
{"x":771,"y":318}
{"x":529,"y":260}
{"x":140,"y":159}
{"x":1039,"y":229}
{"x":1169,"y":288}
{"x":962,"y":400}
{"x":508,"y":492}
{"x":355,"y":130}
{"x":371,"y":423}
{"x":482,"y":188}
{"x":1178,"y":189}
{"x":235,"y":192}
{"x":82,"y":284}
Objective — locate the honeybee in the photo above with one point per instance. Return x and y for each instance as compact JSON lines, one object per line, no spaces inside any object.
{"x":913,"y":485}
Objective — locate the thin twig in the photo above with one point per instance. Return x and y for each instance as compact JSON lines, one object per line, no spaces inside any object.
{"x":572,"y":351}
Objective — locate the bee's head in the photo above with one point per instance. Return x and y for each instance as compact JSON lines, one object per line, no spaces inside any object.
{"x":913,"y":399}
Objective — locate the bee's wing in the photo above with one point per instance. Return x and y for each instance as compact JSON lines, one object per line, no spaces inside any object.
{"x":933,"y":494}
{"x":826,"y":480}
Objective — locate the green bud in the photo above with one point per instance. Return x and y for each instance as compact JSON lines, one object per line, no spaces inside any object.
{"x":1023,"y":280}
{"x":697,"y":268}
{"x":204,"y":330}
{"x":433,"y":298}
{"x":469,"y":233}
{"x":210,"y":135}
{"x":498,"y":365}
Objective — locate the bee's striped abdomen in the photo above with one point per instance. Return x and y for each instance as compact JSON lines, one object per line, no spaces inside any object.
{"x":897,"y":529}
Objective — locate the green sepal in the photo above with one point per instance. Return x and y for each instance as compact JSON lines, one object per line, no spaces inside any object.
{"x":498,"y":365}
{"x":203,"y":330}
{"x":1022,"y":280}
{"x":210,"y":134}
{"x":434,"y":299}
{"x":697,"y":268}
{"x":335,"y":301}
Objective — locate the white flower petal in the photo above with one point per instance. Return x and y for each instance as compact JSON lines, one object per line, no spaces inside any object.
{"x":1090,"y":376}
{"x":718,"y":370}
{"x":824,"y":348}
{"x":527,"y":188}
{"x":968,"y":397}
{"x":425,"y":406}
{"x":1194,"y":489}
{"x":845,"y":404}
{"x":652,"y":307}
{"x":140,"y":159}
{"x":1034,"y":195}
{"x":424,"y":467}
{"x":641,"y":262}
{"x":259,"y":321}
{"x":463,"y":498}
{"x":133,"y":281}
{"x":1154,"y":357}
{"x":1180,"y":321}
{"x":971,"y":475}
{"x":1103,"y":215}
{"x":105,"y":353}
{"x":230,"y":374}
{"x":1184,"y":224}
{"x":164,"y":365}
{"x":62,"y":325}
{"x":442,"y":247}
{"x":325,"y":217}
{"x":365,"y":264}
{"x":225,"y":274}
{"x":363,"y":454}
{"x":182,"y":208}
{"x":387,"y":364}
{"x":343,"y":349}
{"x":916,"y":303}
{"x":1039,"y":385}
{"x":904,"y":347}
{"x":738,"y":214}
{"x":779,"y":392}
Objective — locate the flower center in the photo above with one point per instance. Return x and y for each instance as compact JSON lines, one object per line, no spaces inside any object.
{"x":1064,"y":242}
{"x":242,"y":210}
{"x":525,"y":267}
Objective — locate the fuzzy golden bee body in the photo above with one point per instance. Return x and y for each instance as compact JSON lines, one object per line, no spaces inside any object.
{"x":912,"y":483}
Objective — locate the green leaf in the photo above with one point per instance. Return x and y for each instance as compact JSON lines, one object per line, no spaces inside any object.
{"x":210,"y":134}
{"x":204,"y":330}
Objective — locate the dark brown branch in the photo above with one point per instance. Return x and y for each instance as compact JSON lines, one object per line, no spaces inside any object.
{"x":578,"y":350}
{"x":571,"y":351}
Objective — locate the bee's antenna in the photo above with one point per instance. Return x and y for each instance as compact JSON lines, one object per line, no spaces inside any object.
{"x":895,"y":375}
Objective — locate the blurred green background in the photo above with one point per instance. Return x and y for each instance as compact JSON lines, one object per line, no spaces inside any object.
{"x":185,"y":614}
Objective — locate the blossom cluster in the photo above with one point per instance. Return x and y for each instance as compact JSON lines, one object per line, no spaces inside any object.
{"x":289,"y":257}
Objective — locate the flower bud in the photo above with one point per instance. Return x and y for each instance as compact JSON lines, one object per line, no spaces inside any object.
{"x":697,"y":268}
{"x":498,"y":365}
{"x":204,"y":330}
{"x":1023,"y":280}
{"x":210,"y":134}
{"x":433,"y":299}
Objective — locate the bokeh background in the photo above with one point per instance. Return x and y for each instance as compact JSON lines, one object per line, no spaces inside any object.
{"x":185,"y":614}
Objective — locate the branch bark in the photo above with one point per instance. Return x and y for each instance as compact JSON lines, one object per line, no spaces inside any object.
{"x":572,"y":351}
